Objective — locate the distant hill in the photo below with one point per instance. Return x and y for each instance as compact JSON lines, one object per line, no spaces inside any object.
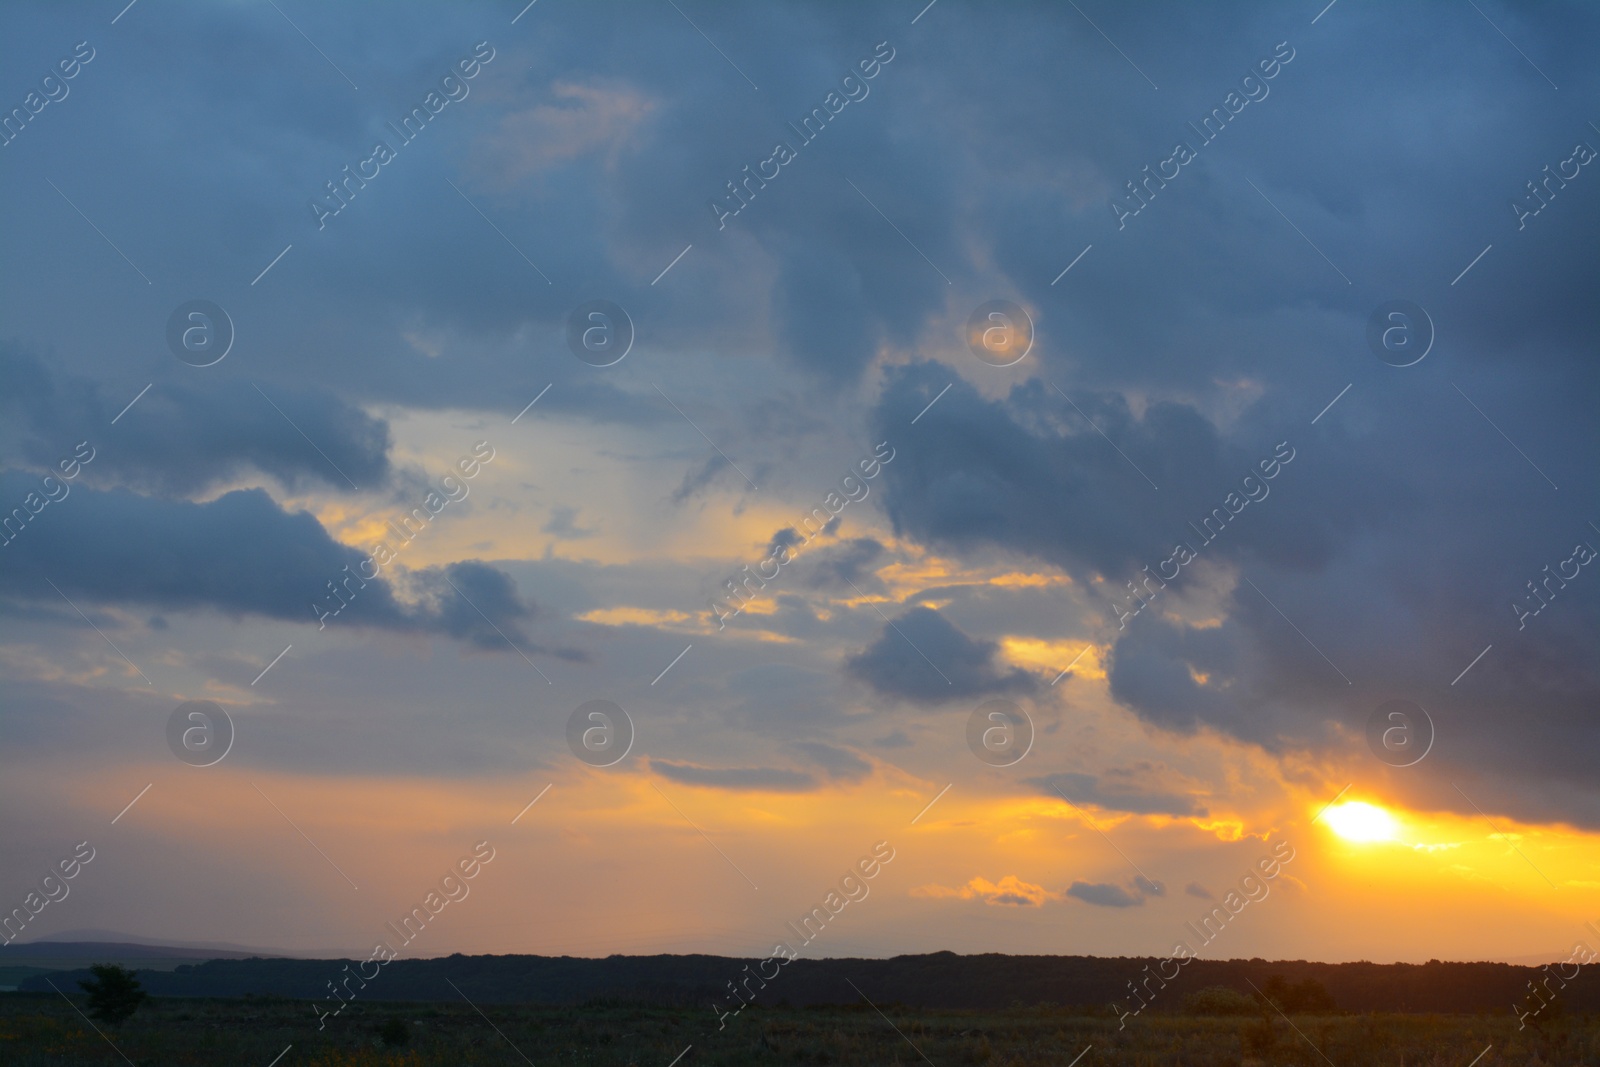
{"x":938,"y":980}
{"x":21,"y":961}
{"x":211,"y":950}
{"x":100,"y":951}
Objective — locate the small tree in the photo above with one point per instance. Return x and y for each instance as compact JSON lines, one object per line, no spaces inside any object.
{"x":114,"y":992}
{"x":1275,"y":994}
{"x":1309,"y":995}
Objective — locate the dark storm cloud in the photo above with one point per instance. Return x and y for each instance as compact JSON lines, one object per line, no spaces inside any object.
{"x":921,"y":656}
{"x":1196,"y":338}
{"x":977,"y":165}
{"x":1390,"y":554}
{"x":980,"y":478}
{"x":474,"y":602}
{"x":1373,"y":541}
{"x":240,"y":554}
{"x":1030,"y":472}
{"x":185,"y":436}
{"x":1154,"y":671}
{"x":634,"y":137}
{"x":1407,"y":525}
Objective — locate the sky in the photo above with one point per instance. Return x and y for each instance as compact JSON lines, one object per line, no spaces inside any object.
{"x":1076,"y":450}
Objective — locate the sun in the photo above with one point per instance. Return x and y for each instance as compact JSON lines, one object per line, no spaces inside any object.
{"x":1356,"y":820}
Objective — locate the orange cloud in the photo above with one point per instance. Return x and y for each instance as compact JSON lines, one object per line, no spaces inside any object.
{"x":1009,"y":891}
{"x":580,"y":120}
{"x":1052,"y":657}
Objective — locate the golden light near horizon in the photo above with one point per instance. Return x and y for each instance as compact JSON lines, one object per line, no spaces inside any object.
{"x":1358,"y":821}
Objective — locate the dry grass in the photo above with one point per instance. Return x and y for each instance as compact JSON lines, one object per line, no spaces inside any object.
{"x":37,"y":1030}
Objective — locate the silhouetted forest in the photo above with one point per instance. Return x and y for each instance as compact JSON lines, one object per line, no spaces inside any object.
{"x":941,"y":980}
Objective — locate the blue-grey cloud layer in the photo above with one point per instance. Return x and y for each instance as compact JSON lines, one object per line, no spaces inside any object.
{"x":1191,"y":341}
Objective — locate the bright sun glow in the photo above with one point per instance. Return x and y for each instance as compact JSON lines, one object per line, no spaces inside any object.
{"x":1357,"y":820}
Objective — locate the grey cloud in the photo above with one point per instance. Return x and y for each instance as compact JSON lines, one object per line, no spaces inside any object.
{"x":1364,"y":554}
{"x":699,"y":478}
{"x":1154,"y":667}
{"x":472,"y":601}
{"x":1015,"y":900}
{"x":240,"y":554}
{"x":1203,"y":332}
{"x":787,"y":537}
{"x":735,"y":779}
{"x":1115,"y":795}
{"x":837,"y":566}
{"x":923,"y":657}
{"x":564,"y":525}
{"x":184,"y":436}
{"x":1104,"y":895}
{"x":839,"y":763}
{"x":893,"y":739}
{"x":1030,"y":473}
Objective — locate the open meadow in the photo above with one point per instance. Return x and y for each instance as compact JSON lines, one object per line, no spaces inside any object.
{"x":37,"y":1030}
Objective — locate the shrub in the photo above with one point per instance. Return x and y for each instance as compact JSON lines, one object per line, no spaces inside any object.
{"x":1306,"y":995}
{"x":114,"y":992}
{"x":394,"y":1033}
{"x":1258,"y":1038}
{"x":1218,"y":1000}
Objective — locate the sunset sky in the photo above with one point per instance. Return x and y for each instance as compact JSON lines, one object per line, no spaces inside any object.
{"x":1415,"y":537}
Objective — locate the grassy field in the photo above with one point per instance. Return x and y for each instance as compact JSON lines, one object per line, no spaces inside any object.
{"x":39,"y":1030}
